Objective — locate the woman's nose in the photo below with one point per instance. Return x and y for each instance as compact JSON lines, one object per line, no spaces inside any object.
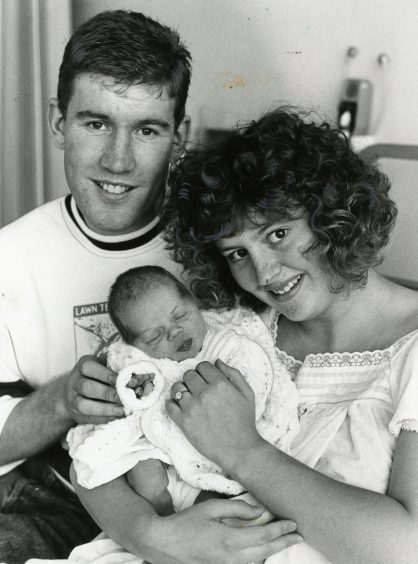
{"x":267,"y":269}
{"x":118,"y":155}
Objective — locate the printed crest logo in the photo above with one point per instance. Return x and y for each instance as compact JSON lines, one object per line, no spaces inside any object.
{"x":93,"y":329}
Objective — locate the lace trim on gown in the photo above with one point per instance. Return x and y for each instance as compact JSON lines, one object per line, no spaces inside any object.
{"x":336,"y":359}
{"x":409,"y":425}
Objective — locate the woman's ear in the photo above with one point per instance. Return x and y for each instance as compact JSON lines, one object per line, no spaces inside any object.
{"x":56,"y":123}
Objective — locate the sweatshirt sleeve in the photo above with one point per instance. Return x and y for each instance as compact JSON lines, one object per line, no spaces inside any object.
{"x":12,"y":387}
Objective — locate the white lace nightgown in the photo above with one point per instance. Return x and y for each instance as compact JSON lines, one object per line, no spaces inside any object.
{"x":352,"y":408}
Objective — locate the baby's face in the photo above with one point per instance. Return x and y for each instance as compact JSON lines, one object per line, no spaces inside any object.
{"x":166,"y":324}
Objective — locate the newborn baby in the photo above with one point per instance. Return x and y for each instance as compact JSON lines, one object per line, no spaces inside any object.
{"x":164,"y":334}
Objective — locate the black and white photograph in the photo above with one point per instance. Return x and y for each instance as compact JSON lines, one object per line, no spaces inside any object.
{"x":208,"y":282}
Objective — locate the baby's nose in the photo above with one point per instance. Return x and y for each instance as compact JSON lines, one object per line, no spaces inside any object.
{"x":174,"y":332}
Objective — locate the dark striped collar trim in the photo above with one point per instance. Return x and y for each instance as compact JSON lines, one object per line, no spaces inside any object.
{"x":126,"y":245}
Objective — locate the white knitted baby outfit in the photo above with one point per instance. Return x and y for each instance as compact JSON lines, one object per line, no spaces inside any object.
{"x":237,"y":337}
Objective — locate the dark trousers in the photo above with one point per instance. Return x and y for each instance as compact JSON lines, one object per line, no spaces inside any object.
{"x":39,"y":516}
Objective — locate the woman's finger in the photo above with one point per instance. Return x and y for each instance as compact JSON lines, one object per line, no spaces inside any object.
{"x":235,"y":377}
{"x":176,"y":388}
{"x":174,"y":411}
{"x":178,"y":391}
{"x":209,"y":372}
{"x":194,"y":382}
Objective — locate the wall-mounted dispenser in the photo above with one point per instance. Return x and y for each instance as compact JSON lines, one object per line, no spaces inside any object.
{"x":354,"y":109}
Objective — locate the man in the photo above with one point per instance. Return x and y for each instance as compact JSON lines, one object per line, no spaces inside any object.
{"x":120,"y":119}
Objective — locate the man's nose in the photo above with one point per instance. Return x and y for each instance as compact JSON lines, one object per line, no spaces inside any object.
{"x":174,"y":332}
{"x":118,"y":155}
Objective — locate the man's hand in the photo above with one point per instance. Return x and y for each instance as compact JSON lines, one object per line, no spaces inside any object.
{"x":199,"y":535}
{"x":202,"y":534}
{"x":89,"y":392}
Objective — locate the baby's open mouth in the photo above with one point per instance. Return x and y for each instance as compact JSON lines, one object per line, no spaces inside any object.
{"x":185,"y":346}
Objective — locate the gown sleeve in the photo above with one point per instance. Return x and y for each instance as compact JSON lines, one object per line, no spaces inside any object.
{"x":404,"y":387}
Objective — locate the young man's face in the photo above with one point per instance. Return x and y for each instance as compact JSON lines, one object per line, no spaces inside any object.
{"x":118,"y":142}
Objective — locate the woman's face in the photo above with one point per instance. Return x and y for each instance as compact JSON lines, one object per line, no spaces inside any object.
{"x":267,"y":260}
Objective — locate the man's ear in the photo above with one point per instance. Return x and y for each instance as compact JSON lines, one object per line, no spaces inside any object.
{"x":56,"y":123}
{"x":181,"y":136}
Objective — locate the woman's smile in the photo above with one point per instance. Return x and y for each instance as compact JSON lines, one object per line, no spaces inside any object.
{"x":270,"y":259}
{"x":287,"y":290}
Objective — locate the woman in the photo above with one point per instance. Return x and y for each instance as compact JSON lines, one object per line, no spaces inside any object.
{"x":286,"y":217}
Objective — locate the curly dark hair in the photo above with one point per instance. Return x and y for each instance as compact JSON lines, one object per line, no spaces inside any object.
{"x":131,"y":48}
{"x":283,"y":165}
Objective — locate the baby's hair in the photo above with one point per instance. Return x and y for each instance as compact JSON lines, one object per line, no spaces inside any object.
{"x":132,"y":286}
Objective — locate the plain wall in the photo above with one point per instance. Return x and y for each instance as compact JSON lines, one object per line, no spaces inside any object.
{"x":250,"y":55}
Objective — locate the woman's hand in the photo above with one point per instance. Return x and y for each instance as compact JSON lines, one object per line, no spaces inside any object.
{"x":216,"y":412}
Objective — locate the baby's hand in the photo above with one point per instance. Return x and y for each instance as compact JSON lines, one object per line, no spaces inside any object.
{"x":142,"y":384}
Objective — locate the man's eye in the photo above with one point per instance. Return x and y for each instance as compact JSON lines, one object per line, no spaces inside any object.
{"x":237,"y":255}
{"x":276,"y":235}
{"x":147,"y":131}
{"x":96,"y":125}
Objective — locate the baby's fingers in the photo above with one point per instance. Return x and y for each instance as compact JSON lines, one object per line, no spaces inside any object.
{"x":139,"y":379}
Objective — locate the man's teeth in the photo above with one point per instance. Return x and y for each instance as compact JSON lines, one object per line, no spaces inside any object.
{"x":288,"y":286}
{"x":113,"y":188}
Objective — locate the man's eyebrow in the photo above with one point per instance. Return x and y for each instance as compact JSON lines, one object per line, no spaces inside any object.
{"x":153,"y":121}
{"x":83,"y":114}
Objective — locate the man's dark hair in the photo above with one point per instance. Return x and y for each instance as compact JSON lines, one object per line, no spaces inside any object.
{"x":133,"y":285}
{"x":131,"y":49}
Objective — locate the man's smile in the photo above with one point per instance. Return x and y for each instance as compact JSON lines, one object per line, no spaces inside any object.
{"x":112,"y":188}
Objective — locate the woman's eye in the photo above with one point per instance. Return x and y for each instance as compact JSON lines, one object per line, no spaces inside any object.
{"x":277,"y":235}
{"x":237,"y":255}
